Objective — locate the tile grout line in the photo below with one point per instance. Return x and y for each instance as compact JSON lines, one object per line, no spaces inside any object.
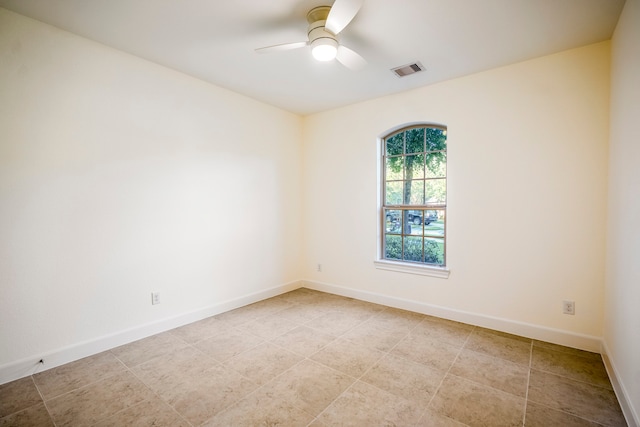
{"x":435,"y":393}
{"x":44,"y":402}
{"x":526,"y":394}
{"x":154,"y":393}
{"x":304,"y":358}
{"x":355,"y":379}
{"x":563,"y":411}
{"x":388,"y":353}
{"x":188,"y":345}
{"x":363,"y":374}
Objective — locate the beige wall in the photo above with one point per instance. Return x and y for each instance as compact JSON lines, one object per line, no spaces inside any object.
{"x":622,"y":308}
{"x":527,"y":168}
{"x":119,"y":177}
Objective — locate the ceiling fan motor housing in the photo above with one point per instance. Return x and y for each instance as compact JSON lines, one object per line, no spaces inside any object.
{"x":317,"y":18}
{"x":324,"y":44}
{"x":318,"y":31}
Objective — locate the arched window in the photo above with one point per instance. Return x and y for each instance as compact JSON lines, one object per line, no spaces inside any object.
{"x":413,"y":167}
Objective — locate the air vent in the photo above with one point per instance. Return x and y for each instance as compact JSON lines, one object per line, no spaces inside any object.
{"x":407,"y":70}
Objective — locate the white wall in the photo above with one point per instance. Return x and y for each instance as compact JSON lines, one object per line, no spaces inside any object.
{"x":622,"y":308}
{"x":527,"y":187}
{"x":119,"y":177}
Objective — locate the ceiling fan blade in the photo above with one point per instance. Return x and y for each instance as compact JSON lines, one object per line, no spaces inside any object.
{"x":282,"y":47}
{"x":350,"y":59}
{"x":341,"y":13}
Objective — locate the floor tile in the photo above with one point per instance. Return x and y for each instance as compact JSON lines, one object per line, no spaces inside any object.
{"x":395,"y":319}
{"x":371,"y":334}
{"x":571,"y":365}
{"x":413,"y":381}
{"x":305,"y":296}
{"x":262,"y":363}
{"x":309,"y":386}
{"x":365,"y":405}
{"x":488,"y":370}
{"x":542,"y":416}
{"x":445,"y":331}
{"x":426,"y":350}
{"x":166,"y":375}
{"x":302,"y":313}
{"x":266,"y":307}
{"x":476,"y":404}
{"x":362,"y":309}
{"x":18,"y":395}
{"x":97,"y":401}
{"x":62,"y":379}
{"x":304,"y":340}
{"x":269,"y":327}
{"x":200,"y":330}
{"x":347,"y":357}
{"x":196,"y":388}
{"x":228,"y":344}
{"x":206,"y":395}
{"x":34,"y":416}
{"x":504,"y":346}
{"x":187,"y":360}
{"x":433,"y":419}
{"x":564,"y":349}
{"x":577,"y":398}
{"x":254,"y":311}
{"x":336,"y":323}
{"x":147,"y":413}
{"x":143,"y":350}
{"x":261,"y":410}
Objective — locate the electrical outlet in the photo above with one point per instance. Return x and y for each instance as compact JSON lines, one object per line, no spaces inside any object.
{"x":319,"y":268}
{"x":155,"y":298}
{"x":569,"y":307}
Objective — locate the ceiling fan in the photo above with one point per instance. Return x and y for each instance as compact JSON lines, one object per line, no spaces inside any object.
{"x":325,"y":23}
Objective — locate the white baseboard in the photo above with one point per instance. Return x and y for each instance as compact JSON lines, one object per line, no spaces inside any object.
{"x":542,"y":333}
{"x":31,"y":365}
{"x":630,"y":413}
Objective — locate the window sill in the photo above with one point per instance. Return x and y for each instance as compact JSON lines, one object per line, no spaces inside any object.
{"x":423,"y":270}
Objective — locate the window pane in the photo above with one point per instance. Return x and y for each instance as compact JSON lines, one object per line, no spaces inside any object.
{"x":415,"y":218}
{"x":393,"y":247}
{"x":393,"y":193}
{"x":436,"y":191}
{"x":414,"y":192}
{"x":407,"y":221}
{"x":415,"y":166}
{"x":434,"y":251}
{"x":434,"y":225}
{"x":394,"y":145}
{"x":394,"y":168}
{"x":436,"y":165}
{"x":415,"y":140}
{"x":392,"y":221}
{"x":436,"y":139}
{"x":413,"y":248}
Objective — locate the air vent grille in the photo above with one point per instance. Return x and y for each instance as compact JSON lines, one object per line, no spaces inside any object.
{"x":407,"y":70}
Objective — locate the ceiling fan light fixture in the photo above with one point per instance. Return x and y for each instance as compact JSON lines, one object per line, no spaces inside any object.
{"x":324,"y":49}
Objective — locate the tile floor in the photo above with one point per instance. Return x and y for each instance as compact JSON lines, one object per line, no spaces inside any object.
{"x":308,"y":358}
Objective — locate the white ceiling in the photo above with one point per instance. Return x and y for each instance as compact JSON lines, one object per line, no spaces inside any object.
{"x":214,"y":40}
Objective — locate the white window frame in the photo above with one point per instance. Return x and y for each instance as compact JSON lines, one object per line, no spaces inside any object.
{"x":401,"y":266}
